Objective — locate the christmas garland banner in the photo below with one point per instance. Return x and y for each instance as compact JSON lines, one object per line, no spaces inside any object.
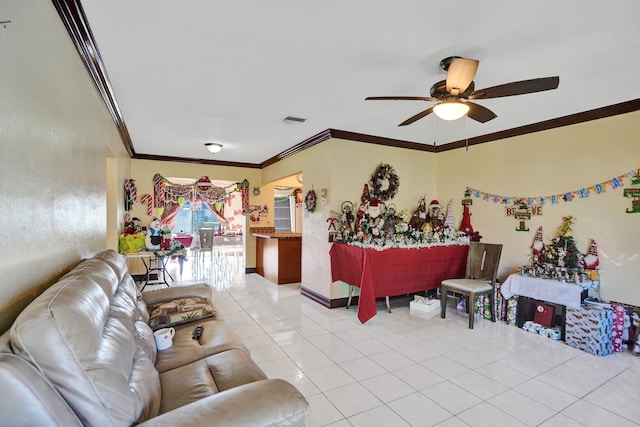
{"x":165,"y":190}
{"x":582,"y":193}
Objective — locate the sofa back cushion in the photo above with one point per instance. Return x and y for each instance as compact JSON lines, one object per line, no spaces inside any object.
{"x":29,"y":399}
{"x":81,"y":333}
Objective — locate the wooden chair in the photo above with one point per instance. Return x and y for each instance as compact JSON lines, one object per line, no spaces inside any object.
{"x":480,"y":279}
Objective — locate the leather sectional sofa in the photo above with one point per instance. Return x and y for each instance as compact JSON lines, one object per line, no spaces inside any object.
{"x":83,"y":354}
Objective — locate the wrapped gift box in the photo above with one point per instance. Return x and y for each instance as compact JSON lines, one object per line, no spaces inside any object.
{"x":589,"y":328}
{"x":505,"y":309}
{"x":544,"y":314}
{"x":554,"y":333}
{"x":618,"y":327}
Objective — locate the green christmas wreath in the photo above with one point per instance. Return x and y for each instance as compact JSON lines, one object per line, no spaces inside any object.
{"x":310,"y":201}
{"x":384,"y":173}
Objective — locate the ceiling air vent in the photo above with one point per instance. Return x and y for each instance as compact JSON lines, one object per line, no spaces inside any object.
{"x":292,"y":119}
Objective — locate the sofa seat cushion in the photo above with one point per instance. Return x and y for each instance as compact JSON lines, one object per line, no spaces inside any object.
{"x":205,"y":377}
{"x":273,"y":402}
{"x":217,"y":336}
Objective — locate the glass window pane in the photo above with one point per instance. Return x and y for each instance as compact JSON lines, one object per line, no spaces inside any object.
{"x":183,"y":222}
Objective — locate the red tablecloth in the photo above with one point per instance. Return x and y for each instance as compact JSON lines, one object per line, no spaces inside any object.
{"x":395,"y":271}
{"x":185,"y":240}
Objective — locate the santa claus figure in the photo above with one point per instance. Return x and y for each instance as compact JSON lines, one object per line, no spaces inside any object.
{"x":374,"y":208}
{"x":591,"y":261}
{"x":537,"y":246}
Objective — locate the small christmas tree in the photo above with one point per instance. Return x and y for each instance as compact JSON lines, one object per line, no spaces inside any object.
{"x":561,"y":257}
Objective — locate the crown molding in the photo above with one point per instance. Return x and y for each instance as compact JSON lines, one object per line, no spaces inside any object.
{"x":76,"y":23}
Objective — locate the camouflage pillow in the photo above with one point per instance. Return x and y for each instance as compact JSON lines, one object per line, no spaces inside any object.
{"x":179,"y":311}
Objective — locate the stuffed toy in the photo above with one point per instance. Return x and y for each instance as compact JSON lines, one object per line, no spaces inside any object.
{"x":154,"y":235}
{"x":165,"y":243}
{"x":133,"y":226}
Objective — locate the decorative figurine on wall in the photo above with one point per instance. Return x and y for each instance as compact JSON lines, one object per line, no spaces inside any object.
{"x":634,"y":194}
{"x":310,"y":201}
{"x":522,"y":214}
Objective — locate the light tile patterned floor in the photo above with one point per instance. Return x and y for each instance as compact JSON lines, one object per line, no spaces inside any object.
{"x":402,"y":369}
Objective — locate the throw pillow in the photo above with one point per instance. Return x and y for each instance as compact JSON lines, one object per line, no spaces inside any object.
{"x":179,"y":311}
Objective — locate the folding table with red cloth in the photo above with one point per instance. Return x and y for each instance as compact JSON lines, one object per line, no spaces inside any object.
{"x":394,"y":271}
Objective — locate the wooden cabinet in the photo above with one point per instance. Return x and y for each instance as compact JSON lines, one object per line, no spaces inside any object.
{"x":279,"y":257}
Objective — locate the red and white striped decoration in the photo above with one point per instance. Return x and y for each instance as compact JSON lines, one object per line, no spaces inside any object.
{"x":158,"y":192}
{"x":147,"y":200}
{"x":130,"y":185}
{"x":245,"y":197}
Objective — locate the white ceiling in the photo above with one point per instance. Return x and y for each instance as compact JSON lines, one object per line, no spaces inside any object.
{"x":196,"y":71}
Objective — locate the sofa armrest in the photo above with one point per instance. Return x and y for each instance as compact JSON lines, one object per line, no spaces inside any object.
{"x":175,"y":292}
{"x":261,"y":403}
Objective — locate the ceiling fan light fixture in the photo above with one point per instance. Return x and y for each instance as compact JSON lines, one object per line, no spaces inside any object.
{"x":213,"y":147}
{"x":450,"y":110}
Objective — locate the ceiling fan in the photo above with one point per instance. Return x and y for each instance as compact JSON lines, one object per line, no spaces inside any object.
{"x":453,"y":95}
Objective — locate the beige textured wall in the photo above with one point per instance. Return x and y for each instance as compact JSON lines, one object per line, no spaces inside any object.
{"x":343,"y":167}
{"x":54,"y":132}
{"x":553,"y":162}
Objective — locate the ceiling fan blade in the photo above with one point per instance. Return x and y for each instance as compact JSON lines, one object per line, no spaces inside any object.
{"x":400,"y":98}
{"x":417,"y":117}
{"x":517,"y":88}
{"x":479,"y":113}
{"x":460,"y":75}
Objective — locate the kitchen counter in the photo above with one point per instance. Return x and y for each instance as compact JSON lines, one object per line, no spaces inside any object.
{"x":280,"y":235}
{"x":279,"y":256}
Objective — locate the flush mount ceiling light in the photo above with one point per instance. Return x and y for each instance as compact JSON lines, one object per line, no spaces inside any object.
{"x":450,"y":110}
{"x":213,"y":147}
{"x":293,"y":119}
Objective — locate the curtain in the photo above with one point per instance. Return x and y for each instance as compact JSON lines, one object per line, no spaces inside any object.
{"x":209,"y":197}
{"x":219,"y":214}
{"x":171,"y":211}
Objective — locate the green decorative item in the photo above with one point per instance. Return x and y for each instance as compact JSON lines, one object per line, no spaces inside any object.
{"x":467,"y":201}
{"x":523,"y":213}
{"x":634,"y":193}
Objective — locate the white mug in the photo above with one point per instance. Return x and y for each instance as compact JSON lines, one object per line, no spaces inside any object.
{"x":164,"y":338}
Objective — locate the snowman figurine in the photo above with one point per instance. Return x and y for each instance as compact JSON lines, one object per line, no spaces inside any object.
{"x":153,"y":239}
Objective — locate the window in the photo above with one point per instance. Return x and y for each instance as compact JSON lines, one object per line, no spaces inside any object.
{"x":192,"y":216}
